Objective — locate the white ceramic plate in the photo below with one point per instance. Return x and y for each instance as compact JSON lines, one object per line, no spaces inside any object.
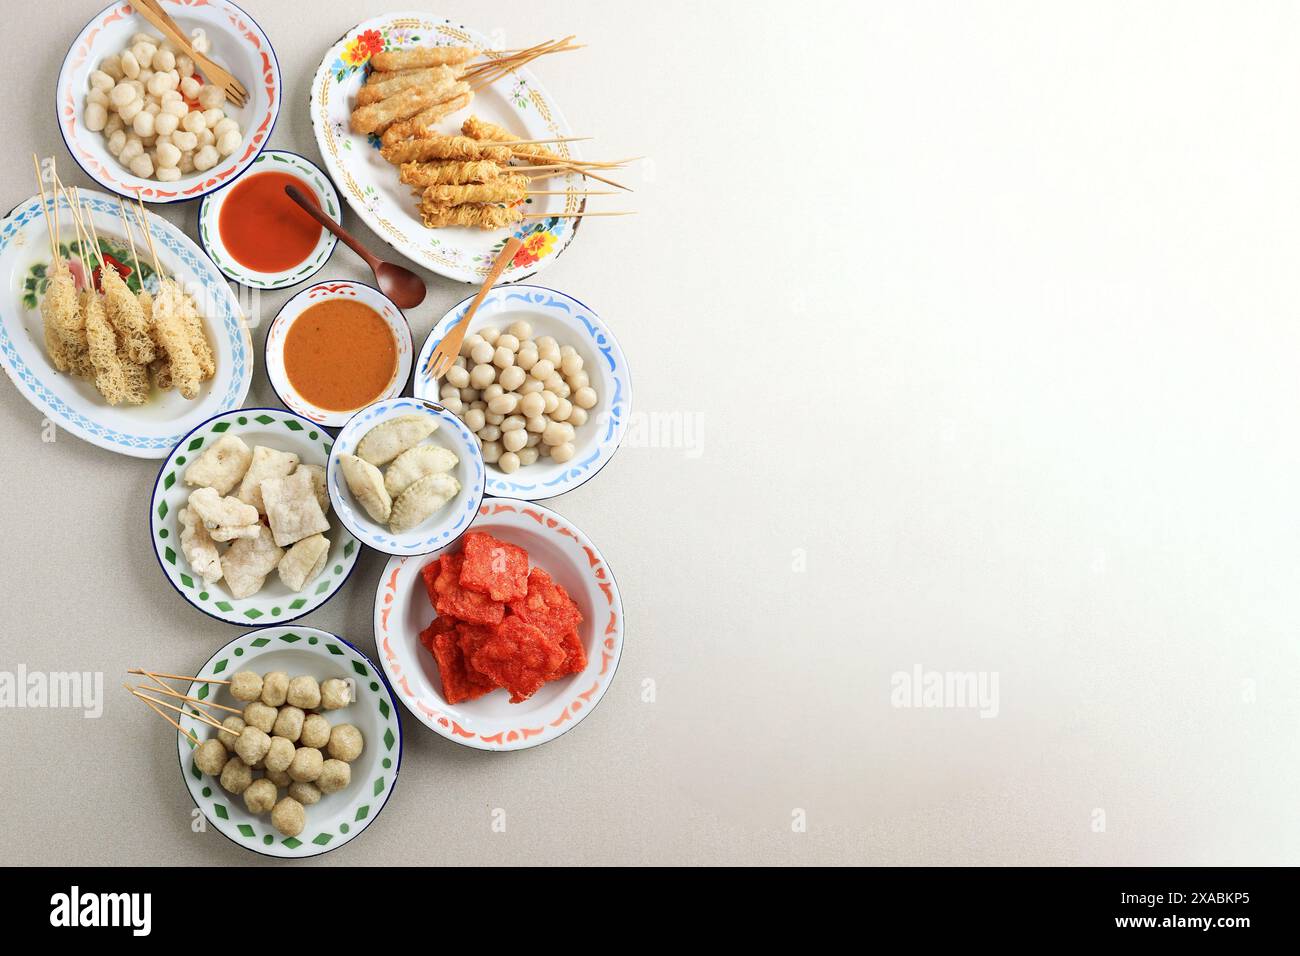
{"x":275,"y":603}
{"x":443,"y":527}
{"x":313,"y":295}
{"x":571,"y":323}
{"x":143,"y":431}
{"x":491,"y":722}
{"x":338,"y":817}
{"x":238,"y":44}
{"x":313,"y":181}
{"x":371,"y":187}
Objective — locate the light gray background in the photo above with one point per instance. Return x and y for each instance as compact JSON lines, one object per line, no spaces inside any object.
{"x":989,"y":313}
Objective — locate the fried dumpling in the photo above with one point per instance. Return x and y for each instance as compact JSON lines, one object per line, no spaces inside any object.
{"x":366,"y":483}
{"x":389,"y":439}
{"x":415,"y":463}
{"x":421,"y":499}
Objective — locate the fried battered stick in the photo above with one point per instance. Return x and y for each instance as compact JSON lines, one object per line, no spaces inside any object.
{"x":198,"y":339}
{"x":377,"y":117}
{"x":482,"y":217}
{"x":127,"y":318}
{"x":448,"y":173}
{"x":374,"y":91}
{"x":476,"y":128}
{"x":112,"y":377}
{"x":506,"y":189}
{"x":425,"y":56}
{"x":65,"y":327}
{"x":170,"y":329}
{"x":430,"y":145}
{"x":421,"y":121}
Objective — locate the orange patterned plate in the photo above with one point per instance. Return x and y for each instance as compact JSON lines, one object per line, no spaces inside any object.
{"x":491,"y":722}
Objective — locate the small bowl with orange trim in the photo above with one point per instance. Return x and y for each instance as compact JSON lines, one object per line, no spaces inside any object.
{"x":490,"y":722}
{"x":336,"y":347}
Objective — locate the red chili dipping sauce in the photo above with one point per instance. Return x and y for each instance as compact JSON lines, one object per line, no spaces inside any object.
{"x":262,"y":228}
{"x":340,"y":355}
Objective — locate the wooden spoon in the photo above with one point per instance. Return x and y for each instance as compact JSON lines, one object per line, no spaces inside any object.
{"x":400,"y":284}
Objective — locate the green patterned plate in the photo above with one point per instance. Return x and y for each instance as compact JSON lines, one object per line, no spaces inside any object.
{"x":275,"y":603}
{"x":339,"y":817}
{"x":312,"y":180}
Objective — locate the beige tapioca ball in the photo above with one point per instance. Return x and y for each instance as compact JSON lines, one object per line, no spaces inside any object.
{"x":306,"y":764}
{"x":530,"y":387}
{"x":167,"y":174}
{"x":236,"y":776}
{"x":346,"y":743}
{"x":335,"y":693}
{"x":260,"y":796}
{"x":512,"y":423}
{"x":503,"y":404}
{"x":534,"y":439}
{"x":279,"y":755}
{"x":167,"y":155}
{"x":542,"y":369}
{"x":141,"y":166}
{"x":492,"y":452}
{"x":490,"y":432}
{"x":470,"y":395}
{"x":495,"y":390}
{"x":95,"y":117}
{"x":308,"y":794}
{"x":536,"y":423}
{"x":334,"y":776}
{"x":527,"y":456}
{"x":492,"y":418}
{"x":234,"y":727}
{"x":211,"y":97}
{"x":448,"y":390}
{"x":511,"y":378}
{"x":563,"y":409}
{"x":578,"y":417}
{"x":206,"y":157}
{"x":185,"y":67}
{"x":288,"y":723}
{"x":585,"y":397}
{"x":554,"y":434}
{"x":280,"y":778}
{"x":164,"y":124}
{"x":552,"y":401}
{"x":289,"y":817}
{"x":481,"y":376}
{"x":474,"y":419}
{"x":526,"y":357}
{"x":502,"y":357}
{"x":259,"y":715}
{"x":252,"y":744}
{"x":532,"y":405}
{"x":129,"y":111}
{"x":483,"y":353}
{"x":578,"y":380}
{"x":275,"y":688}
{"x":562,"y":452}
{"x":189,"y":86}
{"x":508,"y":462}
{"x":246,"y":686}
{"x":112,"y":65}
{"x":164,"y":59}
{"x":514,"y":440}
{"x":315,"y":732}
{"x":210,"y":756}
{"x":490,"y":334}
{"x":467,"y":346}
{"x":116,"y":142}
{"x":304,"y":692}
{"x":571,"y":363}
{"x":130,"y":65}
{"x":555,"y":383}
{"x":458,"y":377}
{"x":520,"y":330}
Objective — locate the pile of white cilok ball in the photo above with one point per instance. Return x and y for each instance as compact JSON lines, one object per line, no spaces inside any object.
{"x":137,"y":99}
{"x":522,"y":397}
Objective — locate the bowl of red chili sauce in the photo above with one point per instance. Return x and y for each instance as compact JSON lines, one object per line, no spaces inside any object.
{"x":258,"y":236}
{"x":338,"y":346}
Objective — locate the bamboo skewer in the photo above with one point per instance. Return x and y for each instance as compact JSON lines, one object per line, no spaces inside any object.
{"x":512,"y":143}
{"x":126,"y":226}
{"x":204,"y":680}
{"x":193,"y":739}
{"x":574,"y":215}
{"x":45,"y":208}
{"x":204,"y":718}
{"x":571,"y":192}
{"x":170,"y":692}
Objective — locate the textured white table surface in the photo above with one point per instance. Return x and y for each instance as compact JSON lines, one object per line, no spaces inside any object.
{"x":984,"y":315}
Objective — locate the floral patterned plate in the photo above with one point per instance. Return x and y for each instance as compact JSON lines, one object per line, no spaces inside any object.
{"x":371,"y":187}
{"x":571,"y":323}
{"x":338,"y":817}
{"x":238,"y":43}
{"x":274,"y":603}
{"x":143,"y":431}
{"x":313,"y":295}
{"x":313,"y":182}
{"x":491,"y":722}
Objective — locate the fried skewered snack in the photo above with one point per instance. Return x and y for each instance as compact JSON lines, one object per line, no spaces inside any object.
{"x":503,"y":189}
{"x":431,"y":145}
{"x":377,"y":117}
{"x":424,"y":56}
{"x":127,"y":318}
{"x":198,"y":339}
{"x":449,"y":172}
{"x":420,"y":122}
{"x":111,"y":376}
{"x":65,"y":327}
{"x":376,"y":90}
{"x":172,"y":332}
{"x":481,"y":217}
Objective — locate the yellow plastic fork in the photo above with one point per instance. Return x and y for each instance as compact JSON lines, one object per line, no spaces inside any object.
{"x":215,"y":74}
{"x":445,"y":353}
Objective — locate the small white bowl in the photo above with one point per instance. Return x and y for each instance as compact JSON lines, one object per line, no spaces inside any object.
{"x":338,"y":817}
{"x":314,"y":295}
{"x":491,"y":722}
{"x":313,"y":181}
{"x":237,"y":43}
{"x":571,"y":323}
{"x":446,"y":525}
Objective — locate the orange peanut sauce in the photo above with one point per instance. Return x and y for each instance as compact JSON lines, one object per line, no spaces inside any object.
{"x":340,"y":355}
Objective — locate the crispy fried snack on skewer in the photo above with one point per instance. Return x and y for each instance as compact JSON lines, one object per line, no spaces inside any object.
{"x":476,"y":128}
{"x":449,"y":172}
{"x":507,"y":189}
{"x":198,"y":339}
{"x":421,"y":121}
{"x":171,"y":329}
{"x":128,"y":319}
{"x":377,"y":117}
{"x":424,"y":56}
{"x":431,"y":145}
{"x":111,"y":377}
{"x":482,"y":217}
{"x":374,"y":91}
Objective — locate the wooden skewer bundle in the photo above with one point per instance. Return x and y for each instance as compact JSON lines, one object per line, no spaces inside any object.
{"x":192,"y":707}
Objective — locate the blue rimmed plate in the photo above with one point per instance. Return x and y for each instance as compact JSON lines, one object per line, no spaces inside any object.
{"x":143,"y":431}
{"x":571,"y":323}
{"x":312,"y":181}
{"x":338,"y":817}
{"x":444,"y":526}
{"x":274,"y":603}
